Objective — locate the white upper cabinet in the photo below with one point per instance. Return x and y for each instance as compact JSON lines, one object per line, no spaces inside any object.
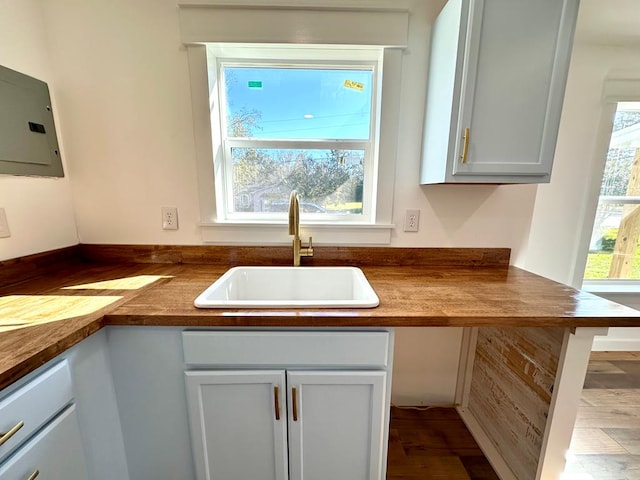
{"x":497,"y":75}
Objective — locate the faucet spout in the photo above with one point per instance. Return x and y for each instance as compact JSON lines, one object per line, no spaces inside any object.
{"x":294,"y":229}
{"x":294,"y":214}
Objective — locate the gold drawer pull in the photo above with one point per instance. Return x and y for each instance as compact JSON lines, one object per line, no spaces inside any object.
{"x":5,"y":436}
{"x":294,"y":400}
{"x":276,"y":398}
{"x":34,"y":475}
{"x":465,"y":146}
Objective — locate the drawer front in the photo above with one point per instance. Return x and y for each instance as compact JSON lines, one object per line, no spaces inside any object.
{"x":272,"y":349}
{"x":56,"y":453}
{"x":33,"y":405}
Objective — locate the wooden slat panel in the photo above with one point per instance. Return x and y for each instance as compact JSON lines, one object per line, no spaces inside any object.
{"x":513,"y":375}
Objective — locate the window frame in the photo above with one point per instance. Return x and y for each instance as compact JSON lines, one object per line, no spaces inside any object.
{"x":289,"y":57}
{"x":213,"y":231}
{"x":615,"y":91}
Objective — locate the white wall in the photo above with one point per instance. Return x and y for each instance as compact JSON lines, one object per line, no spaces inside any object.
{"x":39,"y":210}
{"x":124,"y":92}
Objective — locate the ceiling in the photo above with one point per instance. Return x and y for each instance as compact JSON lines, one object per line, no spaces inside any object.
{"x":609,"y":22}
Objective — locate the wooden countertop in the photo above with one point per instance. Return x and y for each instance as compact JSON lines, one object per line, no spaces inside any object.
{"x":43,"y":316}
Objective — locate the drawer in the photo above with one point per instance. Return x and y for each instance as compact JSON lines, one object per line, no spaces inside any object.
{"x":34,"y":404}
{"x":273,"y":349}
{"x":55,"y":453}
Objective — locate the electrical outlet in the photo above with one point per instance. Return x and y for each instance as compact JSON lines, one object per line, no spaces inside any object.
{"x":411,"y":220}
{"x":169,"y":218}
{"x":4,"y":225}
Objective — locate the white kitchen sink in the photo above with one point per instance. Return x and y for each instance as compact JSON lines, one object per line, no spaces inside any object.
{"x":289,"y":287}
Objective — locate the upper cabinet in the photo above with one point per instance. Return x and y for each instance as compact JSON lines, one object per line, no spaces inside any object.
{"x":497,"y":74}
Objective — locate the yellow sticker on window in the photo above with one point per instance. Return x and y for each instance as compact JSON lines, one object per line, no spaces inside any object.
{"x":354,"y":85}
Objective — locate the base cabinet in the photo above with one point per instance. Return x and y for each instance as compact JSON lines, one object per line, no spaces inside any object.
{"x":280,"y":405}
{"x":280,"y":424}
{"x":54,"y":453}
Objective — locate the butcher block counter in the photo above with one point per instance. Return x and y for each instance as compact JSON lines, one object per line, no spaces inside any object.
{"x":88,"y":287}
{"x":50,"y":302}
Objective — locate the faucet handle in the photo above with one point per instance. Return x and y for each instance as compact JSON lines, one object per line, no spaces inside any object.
{"x":308,"y":251}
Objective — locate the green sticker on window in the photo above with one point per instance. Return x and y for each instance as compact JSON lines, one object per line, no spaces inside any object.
{"x":255,"y":84}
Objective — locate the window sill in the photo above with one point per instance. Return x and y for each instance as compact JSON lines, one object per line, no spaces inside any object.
{"x":612,"y":286}
{"x":261,"y":233}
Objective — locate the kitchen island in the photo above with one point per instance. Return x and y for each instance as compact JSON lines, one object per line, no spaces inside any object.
{"x":523,"y":359}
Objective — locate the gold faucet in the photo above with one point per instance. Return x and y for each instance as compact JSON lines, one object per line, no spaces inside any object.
{"x":294,"y":229}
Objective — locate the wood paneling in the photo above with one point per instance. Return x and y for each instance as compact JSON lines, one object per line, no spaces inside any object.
{"x":514,"y":372}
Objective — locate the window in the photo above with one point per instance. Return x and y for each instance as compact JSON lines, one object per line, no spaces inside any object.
{"x":614,"y":246}
{"x":292,"y":125}
{"x":330,"y":41}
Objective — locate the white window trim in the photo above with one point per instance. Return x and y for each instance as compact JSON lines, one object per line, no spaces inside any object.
{"x":614,"y":92}
{"x":194,"y":33}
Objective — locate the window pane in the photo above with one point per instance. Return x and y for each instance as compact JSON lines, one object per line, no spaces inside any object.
{"x":613,"y":250}
{"x":298,"y":103}
{"x":328,"y":181}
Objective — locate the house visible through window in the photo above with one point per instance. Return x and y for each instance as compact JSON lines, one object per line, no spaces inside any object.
{"x":296,"y":125}
{"x":614,"y":247}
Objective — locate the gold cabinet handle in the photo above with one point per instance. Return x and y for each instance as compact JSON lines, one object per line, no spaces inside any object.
{"x":294,"y":401}
{"x":5,"y":436}
{"x":34,"y":475}
{"x":465,"y":147}
{"x":276,"y":398}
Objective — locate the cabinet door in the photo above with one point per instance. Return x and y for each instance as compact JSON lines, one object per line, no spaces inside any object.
{"x":238,"y":424}
{"x":515,"y":67}
{"x":336,"y":425}
{"x":55,"y":453}
{"x":497,"y":75}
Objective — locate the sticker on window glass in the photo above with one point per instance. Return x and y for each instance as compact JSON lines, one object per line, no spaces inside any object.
{"x":254,"y":83}
{"x":354,"y":85}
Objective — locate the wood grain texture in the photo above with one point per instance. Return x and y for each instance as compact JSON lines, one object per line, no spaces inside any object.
{"x":606,"y":440}
{"x":433,"y":444}
{"x":282,"y":255}
{"x":409,"y":296}
{"x":28,"y":346}
{"x":24,"y":268}
{"x":514,"y":372}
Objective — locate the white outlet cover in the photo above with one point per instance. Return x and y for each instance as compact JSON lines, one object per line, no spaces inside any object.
{"x":4,"y":225}
{"x":169,"y":218}
{"x":412,"y":220}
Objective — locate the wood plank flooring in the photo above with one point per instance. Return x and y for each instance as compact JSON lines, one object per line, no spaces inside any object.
{"x":435,"y":444}
{"x":606,"y":438}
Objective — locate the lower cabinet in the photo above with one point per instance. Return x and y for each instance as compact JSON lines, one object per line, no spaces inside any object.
{"x":39,"y":428}
{"x":280,"y":405}
{"x":54,"y":453}
{"x":280,"y":424}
